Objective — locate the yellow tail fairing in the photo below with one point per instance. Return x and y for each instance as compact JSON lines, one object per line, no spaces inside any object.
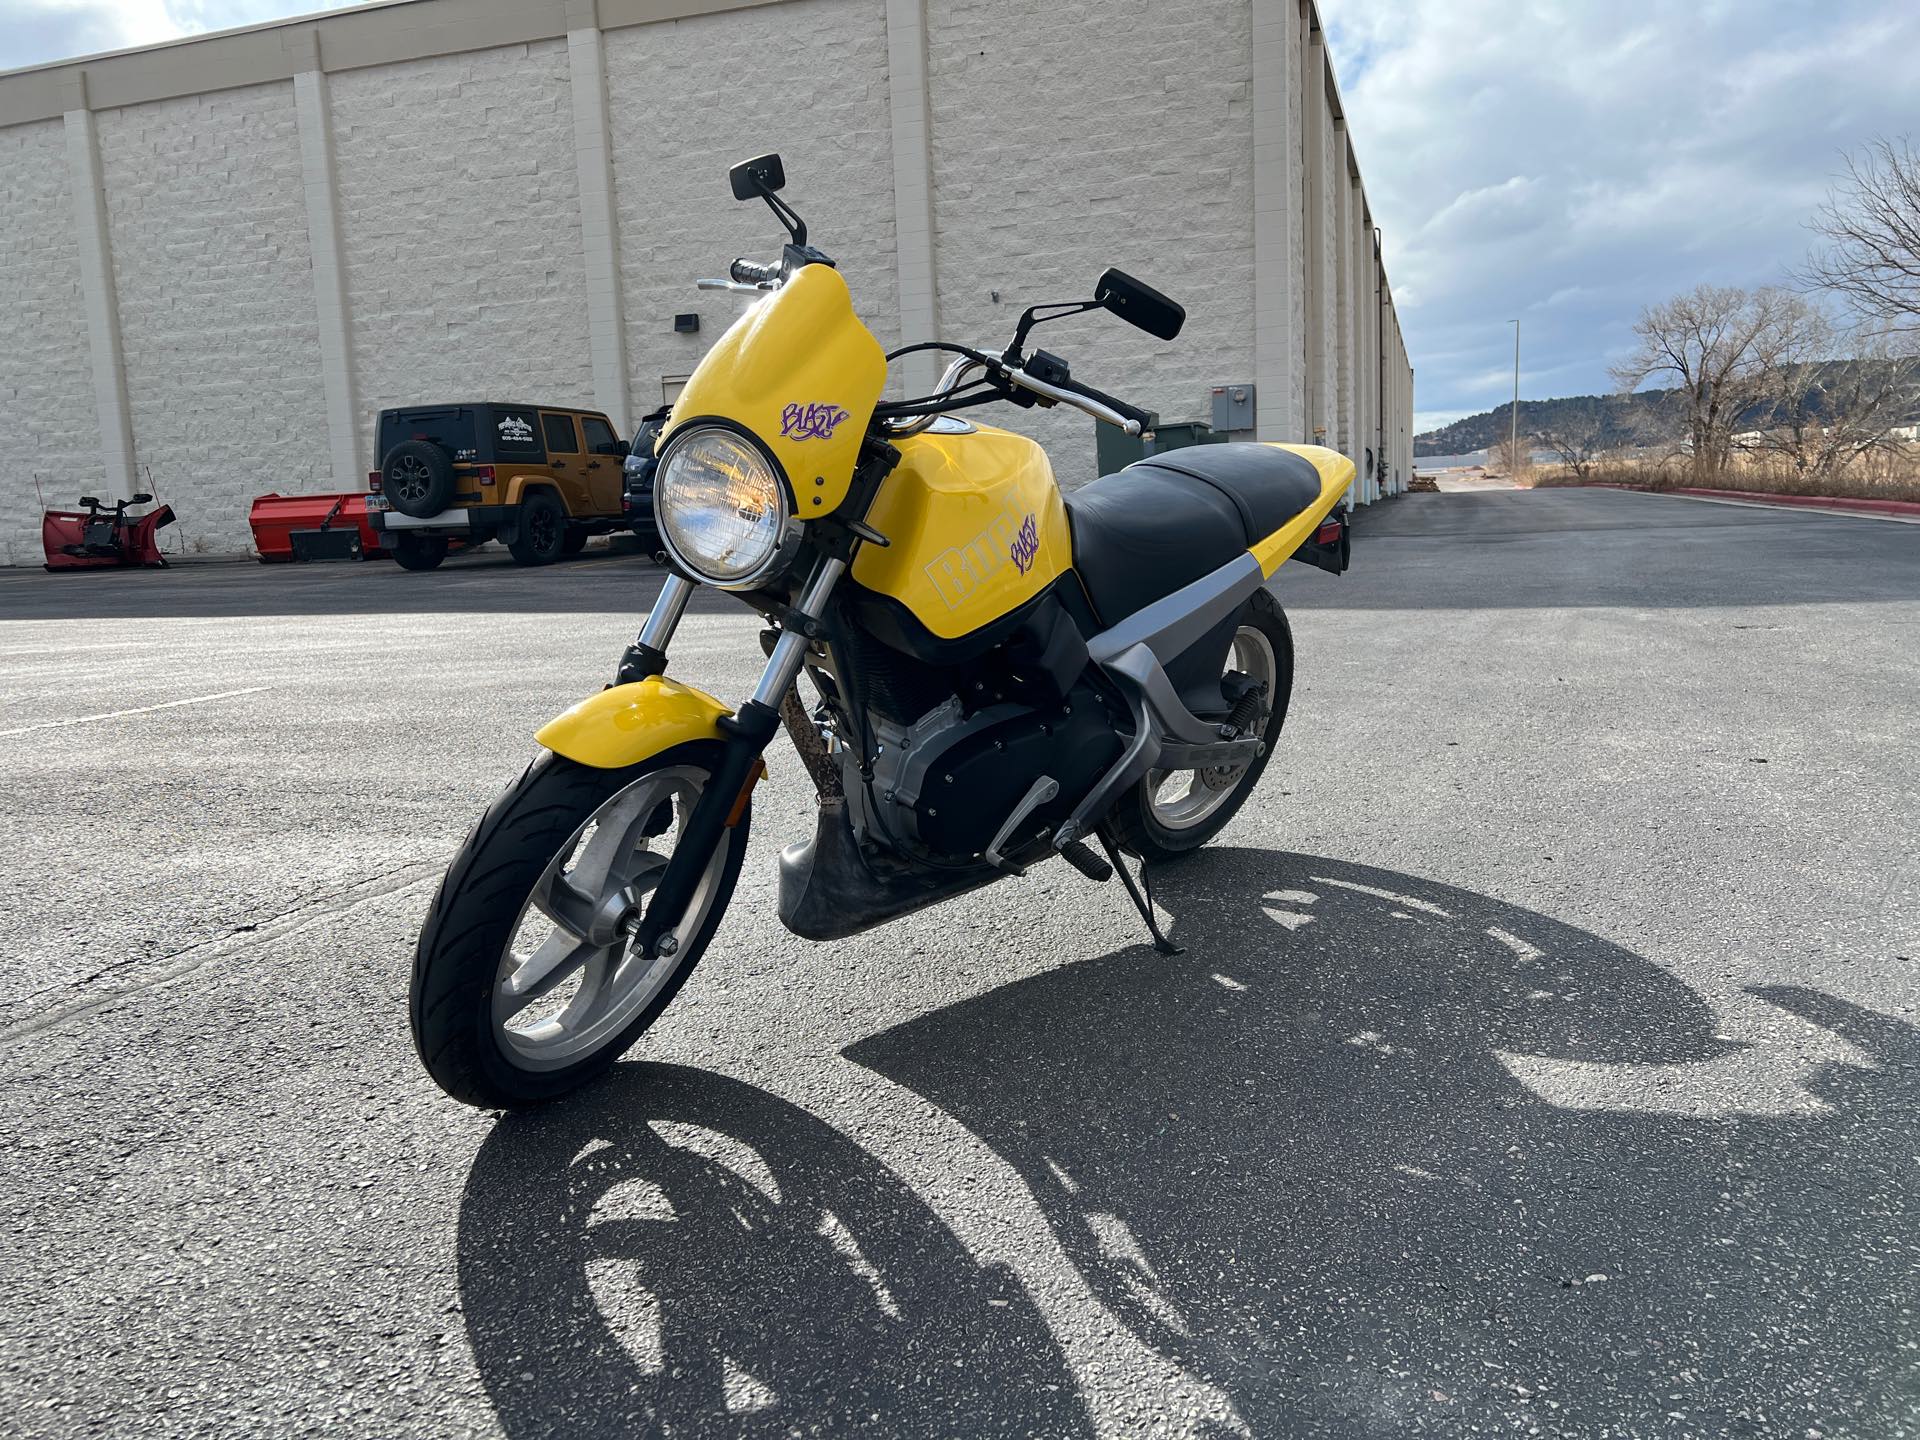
{"x":976,"y":526}
{"x":801,"y":373}
{"x":1336,"y":474}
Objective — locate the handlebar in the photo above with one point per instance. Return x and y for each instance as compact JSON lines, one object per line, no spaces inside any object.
{"x":1143,"y":418}
{"x":749,"y":272}
{"x":1097,"y":403}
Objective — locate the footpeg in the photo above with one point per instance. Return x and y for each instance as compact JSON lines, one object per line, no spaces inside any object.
{"x":1077,"y":854}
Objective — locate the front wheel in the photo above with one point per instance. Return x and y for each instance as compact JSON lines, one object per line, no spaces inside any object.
{"x":525,"y":982}
{"x":419,"y":552}
{"x":1174,"y":812}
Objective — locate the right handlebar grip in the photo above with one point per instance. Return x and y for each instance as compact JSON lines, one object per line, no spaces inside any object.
{"x":749,"y":272}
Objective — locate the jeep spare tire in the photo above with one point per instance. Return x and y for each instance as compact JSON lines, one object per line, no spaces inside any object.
{"x":417,"y":478}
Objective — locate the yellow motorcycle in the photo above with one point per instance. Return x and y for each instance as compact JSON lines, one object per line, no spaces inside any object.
{"x":1002,"y":673}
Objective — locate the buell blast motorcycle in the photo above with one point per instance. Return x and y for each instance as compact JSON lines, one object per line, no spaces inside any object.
{"x":1001,"y":673}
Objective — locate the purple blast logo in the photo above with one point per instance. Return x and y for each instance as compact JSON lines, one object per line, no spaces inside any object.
{"x":811,"y":422}
{"x":1026,"y":545}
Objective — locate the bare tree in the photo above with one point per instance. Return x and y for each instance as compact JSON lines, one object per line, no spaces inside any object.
{"x":1715,"y":346}
{"x":1871,"y":222}
{"x":1824,"y":413}
{"x":1506,"y":460}
{"x":1580,"y":437}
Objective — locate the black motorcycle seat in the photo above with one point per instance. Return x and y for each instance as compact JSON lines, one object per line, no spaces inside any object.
{"x":1163,"y":522}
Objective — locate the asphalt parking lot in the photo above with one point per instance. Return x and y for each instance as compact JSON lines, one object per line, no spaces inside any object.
{"x":1544,"y":1057}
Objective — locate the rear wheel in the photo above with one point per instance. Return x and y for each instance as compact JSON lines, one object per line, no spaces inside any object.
{"x":418,"y":552}
{"x":543,"y":530}
{"x":525,"y":982}
{"x":1174,"y":812}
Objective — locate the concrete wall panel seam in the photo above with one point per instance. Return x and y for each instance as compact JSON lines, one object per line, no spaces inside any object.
{"x":912,"y":190}
{"x":600,"y":241}
{"x":102,"y":302}
{"x":314,"y":110}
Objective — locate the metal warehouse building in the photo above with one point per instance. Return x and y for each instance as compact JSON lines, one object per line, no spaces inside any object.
{"x":220,"y":258}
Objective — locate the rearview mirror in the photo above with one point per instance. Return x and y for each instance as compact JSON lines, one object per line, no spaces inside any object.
{"x":760,"y":176}
{"x":1139,"y":304}
{"x":140,"y":500}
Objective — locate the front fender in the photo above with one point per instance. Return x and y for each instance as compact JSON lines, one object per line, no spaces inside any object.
{"x":626,"y":724}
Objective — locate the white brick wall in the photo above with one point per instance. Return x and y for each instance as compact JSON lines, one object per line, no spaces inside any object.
{"x":46,"y":379}
{"x":1067,"y":141}
{"x":1060,"y":141}
{"x":460,"y":205}
{"x":1333,"y":173}
{"x":215,"y":287}
{"x":689,"y":98}
{"x":1301,"y":429}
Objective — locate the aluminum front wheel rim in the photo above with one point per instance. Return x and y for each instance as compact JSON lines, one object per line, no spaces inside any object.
{"x":569,"y":981}
{"x":1182,"y":799}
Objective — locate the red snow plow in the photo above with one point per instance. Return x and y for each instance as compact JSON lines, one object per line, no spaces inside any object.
{"x":313,"y":527}
{"x":100,"y":538}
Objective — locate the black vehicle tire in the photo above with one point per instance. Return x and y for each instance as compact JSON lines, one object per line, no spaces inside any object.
{"x":1142,"y":825}
{"x":417,"y":478}
{"x":486,"y":897}
{"x":418,"y":552}
{"x":575,"y":542}
{"x":542,"y":535}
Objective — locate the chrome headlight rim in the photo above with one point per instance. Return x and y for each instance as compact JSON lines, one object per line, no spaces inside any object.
{"x":791,"y":529}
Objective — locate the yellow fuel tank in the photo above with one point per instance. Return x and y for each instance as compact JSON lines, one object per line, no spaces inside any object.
{"x":977,"y":527}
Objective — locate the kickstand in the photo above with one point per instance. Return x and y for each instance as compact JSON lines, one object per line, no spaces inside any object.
{"x":1142,"y":895}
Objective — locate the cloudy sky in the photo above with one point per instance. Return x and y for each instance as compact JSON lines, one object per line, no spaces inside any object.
{"x":1563,"y":161}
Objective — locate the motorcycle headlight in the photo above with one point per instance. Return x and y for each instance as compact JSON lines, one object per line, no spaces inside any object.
{"x":722,"y":509}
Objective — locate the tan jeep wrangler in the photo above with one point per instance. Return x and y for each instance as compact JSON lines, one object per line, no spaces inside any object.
{"x":540,"y":478}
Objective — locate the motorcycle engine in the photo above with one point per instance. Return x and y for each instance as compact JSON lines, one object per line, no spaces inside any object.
{"x":948,"y":782}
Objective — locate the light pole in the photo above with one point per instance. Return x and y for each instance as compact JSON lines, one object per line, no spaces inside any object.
{"x":1513,"y":441}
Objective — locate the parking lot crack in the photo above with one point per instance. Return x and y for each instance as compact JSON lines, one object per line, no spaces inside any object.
{"x":241,"y":940}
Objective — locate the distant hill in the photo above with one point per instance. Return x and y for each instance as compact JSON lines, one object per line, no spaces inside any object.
{"x":1539,"y":417}
{"x":1625,"y":417}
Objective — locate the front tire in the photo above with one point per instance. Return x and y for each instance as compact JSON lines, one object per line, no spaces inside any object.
{"x":502,"y":1018}
{"x":1173,"y":813}
{"x":419,"y":552}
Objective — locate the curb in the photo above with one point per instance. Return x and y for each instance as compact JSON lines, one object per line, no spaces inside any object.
{"x":1906,"y":508}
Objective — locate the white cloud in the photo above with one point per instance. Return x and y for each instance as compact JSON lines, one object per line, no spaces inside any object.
{"x":1570,"y":162}
{"x":35,"y":32}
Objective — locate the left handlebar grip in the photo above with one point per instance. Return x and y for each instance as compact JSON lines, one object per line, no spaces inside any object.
{"x":1142,"y":418}
{"x":749,"y":272}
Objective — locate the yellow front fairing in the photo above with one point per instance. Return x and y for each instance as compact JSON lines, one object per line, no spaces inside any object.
{"x":977,"y":527}
{"x":801,"y":373}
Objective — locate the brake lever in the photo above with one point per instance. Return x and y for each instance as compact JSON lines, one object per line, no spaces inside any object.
{"x":734,"y":285}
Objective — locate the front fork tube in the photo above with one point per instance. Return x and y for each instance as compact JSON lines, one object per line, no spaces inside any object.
{"x":647,"y":656}
{"x":747,"y":734}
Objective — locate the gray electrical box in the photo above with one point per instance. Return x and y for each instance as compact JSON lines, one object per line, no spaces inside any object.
{"x":1233,"y":407}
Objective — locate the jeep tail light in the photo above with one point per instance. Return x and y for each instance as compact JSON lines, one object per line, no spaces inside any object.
{"x":373,"y":482}
{"x":484,"y":474}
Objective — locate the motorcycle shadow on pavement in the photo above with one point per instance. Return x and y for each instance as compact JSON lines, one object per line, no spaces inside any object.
{"x":1376,"y":1154}
{"x":677,"y":1252}
{"x":1300,"y":1161}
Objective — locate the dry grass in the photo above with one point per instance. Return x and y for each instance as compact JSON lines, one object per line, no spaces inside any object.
{"x":1894,"y":476}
